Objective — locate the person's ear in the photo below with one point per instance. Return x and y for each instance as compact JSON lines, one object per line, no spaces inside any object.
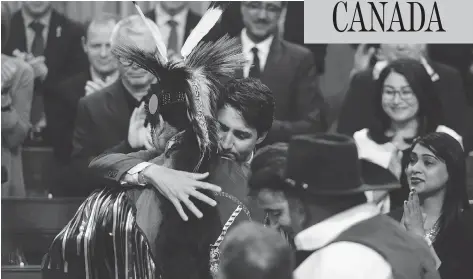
{"x":261,"y":138}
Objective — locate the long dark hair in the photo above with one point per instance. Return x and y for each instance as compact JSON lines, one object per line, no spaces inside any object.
{"x":451,"y":152}
{"x":430,"y":108}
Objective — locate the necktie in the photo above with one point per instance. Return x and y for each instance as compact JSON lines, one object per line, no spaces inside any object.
{"x":255,"y":71}
{"x":37,"y":47}
{"x":172,"y":41}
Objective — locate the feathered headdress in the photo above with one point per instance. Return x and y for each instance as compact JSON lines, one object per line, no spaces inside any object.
{"x":193,"y":80}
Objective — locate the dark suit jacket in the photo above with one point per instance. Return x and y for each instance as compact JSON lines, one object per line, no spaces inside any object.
{"x":102,"y":122}
{"x":357,"y":109}
{"x":68,"y":94}
{"x":290,"y":73}
{"x":64,"y":55}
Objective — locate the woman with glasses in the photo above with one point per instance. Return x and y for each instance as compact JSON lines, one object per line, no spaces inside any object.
{"x":437,"y":208}
{"x":405,"y":107}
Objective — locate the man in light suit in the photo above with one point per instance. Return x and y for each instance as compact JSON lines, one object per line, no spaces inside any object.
{"x":287,"y":69}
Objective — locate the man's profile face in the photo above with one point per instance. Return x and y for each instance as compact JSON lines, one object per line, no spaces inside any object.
{"x":98,"y":48}
{"x":261,"y":18}
{"x":37,"y":8}
{"x":237,"y":139}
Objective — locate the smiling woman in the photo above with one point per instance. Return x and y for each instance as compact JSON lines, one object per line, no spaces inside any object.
{"x":437,"y":208}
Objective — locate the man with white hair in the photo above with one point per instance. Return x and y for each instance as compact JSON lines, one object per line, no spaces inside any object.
{"x":103,"y":117}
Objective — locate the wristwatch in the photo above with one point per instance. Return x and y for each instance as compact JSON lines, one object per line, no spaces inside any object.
{"x":6,"y":108}
{"x":141,"y":179}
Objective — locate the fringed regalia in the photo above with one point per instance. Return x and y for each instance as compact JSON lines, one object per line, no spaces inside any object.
{"x":135,"y":232}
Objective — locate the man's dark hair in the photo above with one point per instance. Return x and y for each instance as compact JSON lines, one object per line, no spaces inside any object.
{"x":252,"y":99}
{"x":267,"y":168}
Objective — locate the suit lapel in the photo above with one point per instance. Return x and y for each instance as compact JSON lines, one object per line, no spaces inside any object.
{"x":273,"y":60}
{"x":17,"y":33}
{"x":53,"y":40}
{"x":239,"y":73}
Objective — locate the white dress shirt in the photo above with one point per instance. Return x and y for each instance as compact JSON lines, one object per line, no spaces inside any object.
{"x":347,"y":260}
{"x":263,"y":51}
{"x":162,"y":19}
{"x":30,"y":34}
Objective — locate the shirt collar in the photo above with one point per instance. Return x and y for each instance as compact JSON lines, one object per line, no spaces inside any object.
{"x":45,"y":19}
{"x":247,"y":44}
{"x":162,"y":17}
{"x":323,"y":233}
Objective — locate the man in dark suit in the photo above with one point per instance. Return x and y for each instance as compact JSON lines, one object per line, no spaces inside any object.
{"x":103,"y":117}
{"x":175,"y":21}
{"x":293,"y":28}
{"x":102,"y":72}
{"x":357,"y":109}
{"x":286,"y":68}
{"x":51,"y":44}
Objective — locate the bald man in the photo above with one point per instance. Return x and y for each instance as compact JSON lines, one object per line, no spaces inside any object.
{"x":103,"y":117}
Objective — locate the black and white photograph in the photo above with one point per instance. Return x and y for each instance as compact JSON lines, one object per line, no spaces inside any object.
{"x":236,"y":140}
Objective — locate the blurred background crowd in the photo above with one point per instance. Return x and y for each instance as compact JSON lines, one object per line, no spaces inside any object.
{"x":54,"y":54}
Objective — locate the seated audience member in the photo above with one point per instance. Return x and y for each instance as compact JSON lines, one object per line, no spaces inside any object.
{"x":102,"y":72}
{"x":357,"y":110}
{"x":252,"y":251}
{"x":51,"y":44}
{"x":17,"y":94}
{"x":437,"y":208}
{"x":299,"y":104}
{"x":337,"y":234}
{"x":103,"y":118}
{"x":405,"y":107}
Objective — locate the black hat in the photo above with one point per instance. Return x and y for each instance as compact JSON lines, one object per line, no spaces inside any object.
{"x":328,"y":164}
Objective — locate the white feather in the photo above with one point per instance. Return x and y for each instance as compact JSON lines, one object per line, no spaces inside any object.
{"x":158,"y":38}
{"x":208,"y":21}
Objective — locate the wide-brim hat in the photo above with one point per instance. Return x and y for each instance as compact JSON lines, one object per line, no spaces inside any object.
{"x":328,"y":164}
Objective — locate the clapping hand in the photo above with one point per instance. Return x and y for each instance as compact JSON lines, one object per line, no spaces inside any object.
{"x":8,"y":72}
{"x":94,"y":86}
{"x":37,"y":63}
{"x":362,"y":59}
{"x":138,"y":134}
{"x":413,"y":219}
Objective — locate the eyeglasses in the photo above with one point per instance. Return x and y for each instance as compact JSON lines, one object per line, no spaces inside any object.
{"x":126,"y":62}
{"x":405,"y":94}
{"x":256,"y":6}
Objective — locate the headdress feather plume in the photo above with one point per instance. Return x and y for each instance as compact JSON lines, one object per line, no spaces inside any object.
{"x":158,"y":38}
{"x":209,"y":19}
{"x":197,"y":77}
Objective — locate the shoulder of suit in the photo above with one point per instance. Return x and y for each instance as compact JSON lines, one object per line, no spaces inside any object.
{"x":66,"y":22}
{"x":444,"y":69}
{"x":296,"y":49}
{"x":74,"y":81}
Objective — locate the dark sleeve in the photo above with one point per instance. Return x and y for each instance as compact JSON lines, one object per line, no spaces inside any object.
{"x":309,"y":106}
{"x":355,"y":107}
{"x":116,"y":161}
{"x":77,"y":61}
{"x":453,"y":100}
